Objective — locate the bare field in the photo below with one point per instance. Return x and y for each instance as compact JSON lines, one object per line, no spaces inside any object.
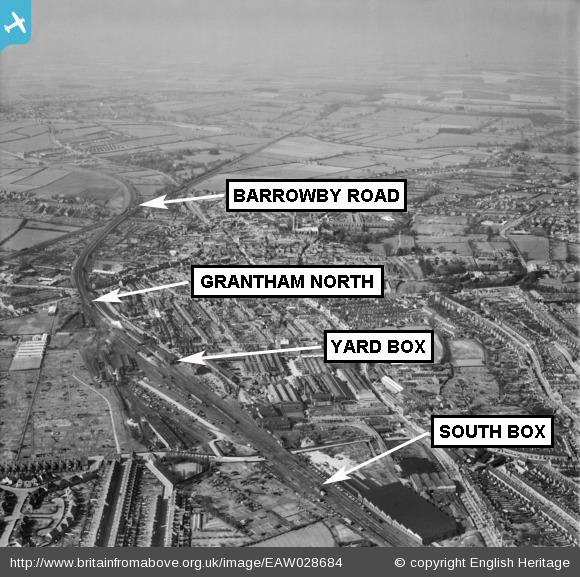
{"x":29,"y":145}
{"x":305,"y":147}
{"x":67,"y":418}
{"x":558,"y":250}
{"x":458,"y":245}
{"x":535,"y":249}
{"x":18,"y":175}
{"x":33,"y":324}
{"x":466,"y":352}
{"x":86,"y":185}
{"x":316,"y":535}
{"x":144,"y":130}
{"x":8,"y":226}
{"x":27,"y":237}
{"x":44,"y":177}
{"x":16,"y":392}
{"x":440,"y":225}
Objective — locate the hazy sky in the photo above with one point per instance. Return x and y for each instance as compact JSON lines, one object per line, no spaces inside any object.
{"x":293,"y":35}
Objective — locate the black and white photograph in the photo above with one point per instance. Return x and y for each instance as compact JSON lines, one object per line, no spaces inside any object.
{"x":290,"y":275}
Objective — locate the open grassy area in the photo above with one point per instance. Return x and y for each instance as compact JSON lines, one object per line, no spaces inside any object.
{"x":466,"y":351}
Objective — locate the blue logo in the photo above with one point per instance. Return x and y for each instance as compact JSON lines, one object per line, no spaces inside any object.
{"x":15,"y":22}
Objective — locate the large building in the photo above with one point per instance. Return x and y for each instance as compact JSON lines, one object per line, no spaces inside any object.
{"x":357,"y":384}
{"x":398,"y":503}
{"x":30,"y":353}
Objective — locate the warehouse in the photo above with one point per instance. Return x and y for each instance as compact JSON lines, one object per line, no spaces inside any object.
{"x":410,"y":510}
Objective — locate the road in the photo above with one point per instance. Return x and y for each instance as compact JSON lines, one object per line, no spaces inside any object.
{"x":12,"y":519}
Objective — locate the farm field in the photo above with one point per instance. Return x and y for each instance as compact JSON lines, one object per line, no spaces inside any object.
{"x":354,"y":160}
{"x":52,"y":226}
{"x":147,"y":190}
{"x":143,"y":130}
{"x":291,"y":170}
{"x":43,"y":177}
{"x":439,"y":225}
{"x":27,"y":237}
{"x":28,"y":145}
{"x":90,"y":186}
{"x":149,"y":143}
{"x":76,"y":132}
{"x":187,"y":145}
{"x":306,"y":147}
{"x":33,"y":324}
{"x":35,"y":232}
{"x":234,"y":140}
{"x":17,"y":175}
{"x":8,"y":226}
{"x":535,"y":249}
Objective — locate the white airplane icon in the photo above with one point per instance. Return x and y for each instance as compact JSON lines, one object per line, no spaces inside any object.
{"x":17,"y":22}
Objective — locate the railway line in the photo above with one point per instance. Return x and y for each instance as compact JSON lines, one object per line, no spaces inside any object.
{"x":296,"y":474}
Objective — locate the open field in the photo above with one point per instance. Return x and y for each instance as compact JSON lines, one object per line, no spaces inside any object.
{"x":439,"y":225}
{"x":33,"y":324}
{"x":8,"y":226}
{"x":27,"y":237}
{"x":53,"y":226}
{"x":43,"y":177}
{"x":78,"y":131}
{"x":16,"y":390}
{"x":466,"y":352}
{"x":29,"y":144}
{"x":19,"y":175}
{"x":86,"y":185}
{"x":291,"y":170}
{"x":306,"y":147}
{"x":458,"y":244}
{"x":61,"y":405}
{"x":143,"y":130}
{"x":535,"y":249}
{"x":315,"y":535}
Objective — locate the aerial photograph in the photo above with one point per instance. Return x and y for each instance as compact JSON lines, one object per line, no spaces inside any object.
{"x":146,"y":401}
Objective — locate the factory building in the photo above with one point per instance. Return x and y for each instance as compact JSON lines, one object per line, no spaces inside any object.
{"x":357,"y":384}
{"x":30,"y":353}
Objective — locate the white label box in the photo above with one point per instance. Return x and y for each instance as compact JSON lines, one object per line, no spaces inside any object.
{"x":380,"y":346}
{"x":492,"y":431}
{"x":249,"y":281}
{"x":278,"y":195}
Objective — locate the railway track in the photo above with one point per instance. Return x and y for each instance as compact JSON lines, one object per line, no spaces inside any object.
{"x":295,"y":474}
